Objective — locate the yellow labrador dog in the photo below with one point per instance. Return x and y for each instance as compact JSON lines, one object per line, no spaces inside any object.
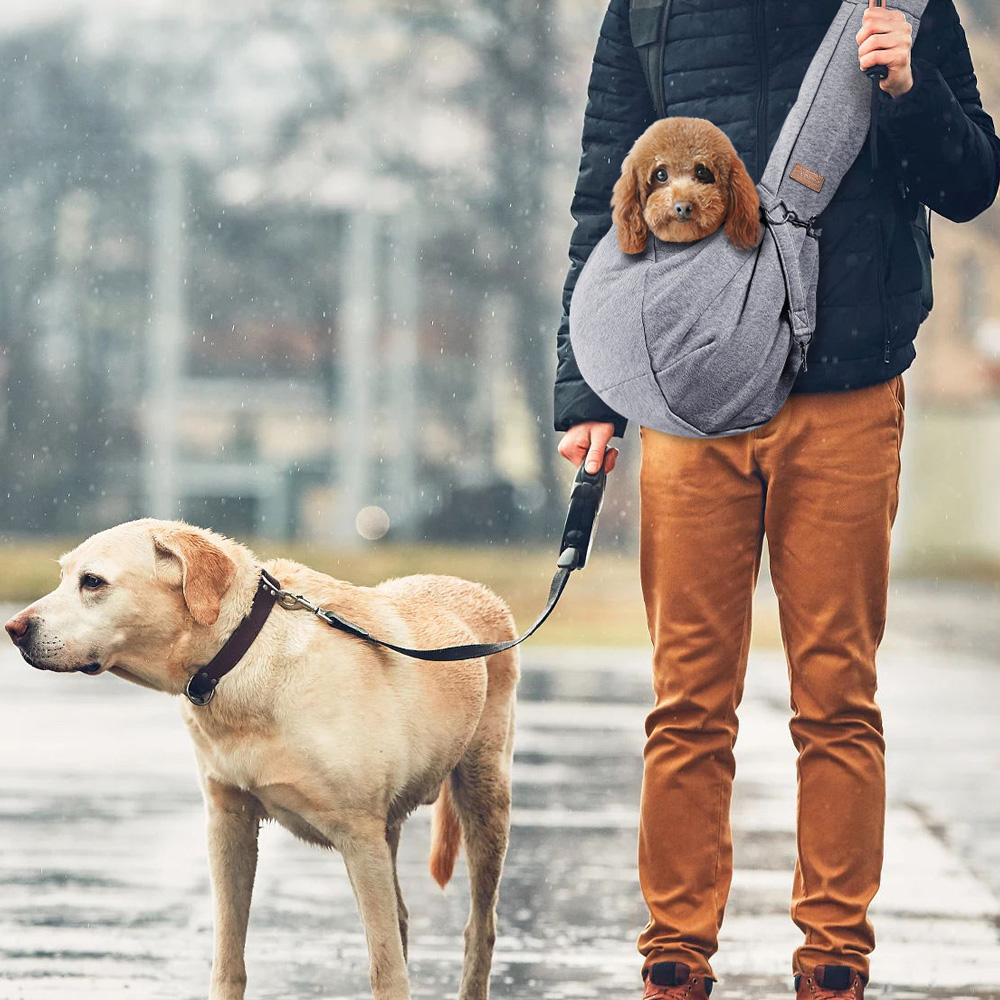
{"x":330,"y":735}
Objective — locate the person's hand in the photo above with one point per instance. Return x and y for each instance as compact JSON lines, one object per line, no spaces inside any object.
{"x":885,"y":39}
{"x":589,"y":440}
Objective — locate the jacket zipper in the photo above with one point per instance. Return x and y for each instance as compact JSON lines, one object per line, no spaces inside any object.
{"x":880,"y":278}
{"x":656,"y":65}
{"x":758,"y":26}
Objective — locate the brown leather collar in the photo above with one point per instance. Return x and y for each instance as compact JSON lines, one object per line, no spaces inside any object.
{"x":201,"y":687}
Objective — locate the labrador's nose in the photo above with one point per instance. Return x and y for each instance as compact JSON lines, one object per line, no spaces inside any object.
{"x":683,"y":209}
{"x":19,"y":627}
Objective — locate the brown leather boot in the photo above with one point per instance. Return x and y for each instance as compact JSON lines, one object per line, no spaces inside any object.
{"x":830,"y":982}
{"x":673,"y":981}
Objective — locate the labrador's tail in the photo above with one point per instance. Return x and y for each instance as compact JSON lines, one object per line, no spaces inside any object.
{"x":446,"y":836}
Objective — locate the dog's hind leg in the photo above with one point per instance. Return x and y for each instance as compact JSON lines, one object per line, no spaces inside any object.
{"x":392,"y":838}
{"x":368,"y":859}
{"x":481,"y":792}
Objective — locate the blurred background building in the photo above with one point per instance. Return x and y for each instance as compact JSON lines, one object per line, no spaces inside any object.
{"x":267,"y":266}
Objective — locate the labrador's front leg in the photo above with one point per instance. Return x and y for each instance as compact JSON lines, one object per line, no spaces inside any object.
{"x":233,"y":824}
{"x":370,"y":869}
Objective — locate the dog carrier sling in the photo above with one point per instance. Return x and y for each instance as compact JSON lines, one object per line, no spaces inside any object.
{"x":704,"y":339}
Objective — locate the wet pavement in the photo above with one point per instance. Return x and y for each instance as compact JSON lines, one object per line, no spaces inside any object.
{"x":103,"y":877}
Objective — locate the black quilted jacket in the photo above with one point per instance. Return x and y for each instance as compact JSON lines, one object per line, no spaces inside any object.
{"x":739,"y":63}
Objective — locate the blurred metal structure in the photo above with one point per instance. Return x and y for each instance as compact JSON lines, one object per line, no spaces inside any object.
{"x":403,"y":348}
{"x":357,"y":356}
{"x":371,"y":367}
{"x":165,"y":357}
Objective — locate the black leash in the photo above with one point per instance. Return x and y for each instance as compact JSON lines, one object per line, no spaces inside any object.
{"x":467,"y":652}
{"x":586,"y":499}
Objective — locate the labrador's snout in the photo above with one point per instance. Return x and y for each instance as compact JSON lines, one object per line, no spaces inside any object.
{"x":20,"y":627}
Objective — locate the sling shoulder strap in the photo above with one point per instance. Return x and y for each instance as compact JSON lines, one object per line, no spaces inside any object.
{"x":648,"y":26}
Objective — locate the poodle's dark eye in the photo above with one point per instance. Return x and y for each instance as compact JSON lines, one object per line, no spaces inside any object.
{"x":661,"y":175}
{"x":88,"y":581}
{"x":704,"y":174}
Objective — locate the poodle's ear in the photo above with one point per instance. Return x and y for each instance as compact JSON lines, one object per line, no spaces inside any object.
{"x":627,"y":214}
{"x":743,"y":214}
{"x":205,"y":570}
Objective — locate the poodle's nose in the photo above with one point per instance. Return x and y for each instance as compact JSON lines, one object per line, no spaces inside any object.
{"x":683,"y":209}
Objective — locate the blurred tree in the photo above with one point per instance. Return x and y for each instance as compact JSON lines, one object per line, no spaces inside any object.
{"x":519,"y":57}
{"x":285,"y":114}
{"x":497,"y":76}
{"x":983,"y":11}
{"x":69,"y":188}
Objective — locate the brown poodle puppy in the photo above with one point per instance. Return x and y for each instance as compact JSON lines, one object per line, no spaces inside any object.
{"x":683,"y":179}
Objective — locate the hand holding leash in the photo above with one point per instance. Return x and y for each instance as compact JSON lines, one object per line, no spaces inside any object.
{"x":884,"y":44}
{"x":586,"y":442}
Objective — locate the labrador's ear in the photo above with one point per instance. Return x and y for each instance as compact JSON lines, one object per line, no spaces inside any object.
{"x":206,"y":571}
{"x":627,"y":209}
{"x":743,"y":215}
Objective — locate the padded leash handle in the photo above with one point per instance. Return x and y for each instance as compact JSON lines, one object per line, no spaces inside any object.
{"x":586,"y":500}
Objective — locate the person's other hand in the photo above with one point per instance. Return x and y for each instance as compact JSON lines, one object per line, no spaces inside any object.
{"x":589,"y":439}
{"x":885,"y":39}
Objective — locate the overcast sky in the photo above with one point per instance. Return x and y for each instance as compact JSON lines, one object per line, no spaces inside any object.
{"x":16,"y":13}
{"x":19,"y":13}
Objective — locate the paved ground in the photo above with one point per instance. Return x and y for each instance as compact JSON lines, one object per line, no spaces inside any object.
{"x":104,"y":892}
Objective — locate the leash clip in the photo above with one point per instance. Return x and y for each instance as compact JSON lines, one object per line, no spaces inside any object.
{"x":294,"y":602}
{"x":789,"y":215}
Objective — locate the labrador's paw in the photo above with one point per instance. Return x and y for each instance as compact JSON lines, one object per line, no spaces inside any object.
{"x":230,"y":990}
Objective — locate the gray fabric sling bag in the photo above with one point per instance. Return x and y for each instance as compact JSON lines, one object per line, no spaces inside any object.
{"x":704,"y":339}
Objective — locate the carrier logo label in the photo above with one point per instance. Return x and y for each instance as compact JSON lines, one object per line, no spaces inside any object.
{"x":809,"y":178}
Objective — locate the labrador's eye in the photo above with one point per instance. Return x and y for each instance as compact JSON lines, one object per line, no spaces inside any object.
{"x":703,"y":174}
{"x":88,"y":581}
{"x":661,"y":175}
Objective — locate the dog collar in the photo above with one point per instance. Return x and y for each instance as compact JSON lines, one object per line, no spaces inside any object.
{"x":200,"y":689}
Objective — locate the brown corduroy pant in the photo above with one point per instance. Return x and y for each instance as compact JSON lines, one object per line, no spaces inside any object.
{"x":821,"y":481}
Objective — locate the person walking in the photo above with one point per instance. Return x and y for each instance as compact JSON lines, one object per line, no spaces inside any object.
{"x":820,"y":480}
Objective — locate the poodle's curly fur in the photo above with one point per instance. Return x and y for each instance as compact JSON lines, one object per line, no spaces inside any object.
{"x":683,"y":179}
